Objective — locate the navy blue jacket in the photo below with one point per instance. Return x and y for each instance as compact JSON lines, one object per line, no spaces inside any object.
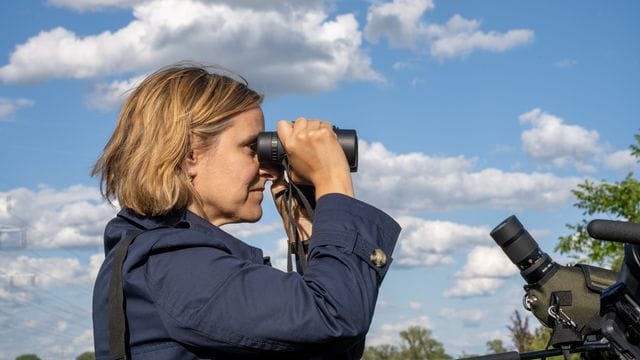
{"x":194,"y":291}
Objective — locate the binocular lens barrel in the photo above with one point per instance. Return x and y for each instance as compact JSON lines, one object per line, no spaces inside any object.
{"x":270,"y":150}
{"x":523,"y":251}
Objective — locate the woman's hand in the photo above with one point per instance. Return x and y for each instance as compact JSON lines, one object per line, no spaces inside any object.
{"x":315,"y":156}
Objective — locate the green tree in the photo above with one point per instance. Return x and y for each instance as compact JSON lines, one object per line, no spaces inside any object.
{"x":381,"y":352}
{"x":495,"y":346}
{"x":467,"y":355}
{"x":418,"y":344}
{"x":28,"y":357}
{"x":635,"y":148}
{"x":87,"y":355}
{"x":541,"y":336}
{"x":619,"y":200}
{"x":520,"y":334}
{"x":524,"y":340}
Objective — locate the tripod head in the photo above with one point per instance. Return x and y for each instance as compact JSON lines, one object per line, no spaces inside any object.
{"x":619,"y":303}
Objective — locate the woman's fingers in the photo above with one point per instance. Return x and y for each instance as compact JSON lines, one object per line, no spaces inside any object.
{"x":315,"y":155}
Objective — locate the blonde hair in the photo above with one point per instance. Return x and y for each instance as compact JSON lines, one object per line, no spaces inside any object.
{"x":142,"y":165}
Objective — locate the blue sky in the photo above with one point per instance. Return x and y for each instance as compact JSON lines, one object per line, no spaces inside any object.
{"x":467,"y":112}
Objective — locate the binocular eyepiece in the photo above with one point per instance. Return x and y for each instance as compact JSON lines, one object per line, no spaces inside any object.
{"x":270,"y":150}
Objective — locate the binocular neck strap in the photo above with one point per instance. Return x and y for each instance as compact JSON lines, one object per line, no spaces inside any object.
{"x":296,"y":246}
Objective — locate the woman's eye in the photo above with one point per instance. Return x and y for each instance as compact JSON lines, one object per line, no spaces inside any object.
{"x":252,"y":147}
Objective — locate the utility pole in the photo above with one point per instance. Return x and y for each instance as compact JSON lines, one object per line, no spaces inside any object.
{"x":15,"y":279}
{"x":10,"y":233}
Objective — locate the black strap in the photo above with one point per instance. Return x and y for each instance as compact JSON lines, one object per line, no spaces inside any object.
{"x":117,"y":317}
{"x":307,"y":198}
{"x":295,"y":246}
{"x":306,"y":194}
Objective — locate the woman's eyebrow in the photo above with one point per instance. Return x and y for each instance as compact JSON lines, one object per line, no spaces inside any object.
{"x":250,"y":140}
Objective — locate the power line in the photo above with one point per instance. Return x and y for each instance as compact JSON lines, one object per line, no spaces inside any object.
{"x":37,"y":291}
{"x":56,"y":278}
{"x":60,"y":312}
{"x":27,"y":325}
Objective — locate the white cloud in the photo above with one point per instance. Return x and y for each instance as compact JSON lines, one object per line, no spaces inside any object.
{"x":566,"y":63}
{"x":9,"y":295}
{"x":460,"y":37}
{"x":94,"y":5}
{"x":419,"y":182}
{"x":46,"y":283}
{"x":64,"y":329}
{"x":35,"y":282}
{"x":279,"y":256}
{"x":485,"y":261}
{"x":246,"y":230}
{"x":469,"y":317}
{"x":46,"y":273}
{"x":396,"y":327}
{"x":71,"y":217}
{"x":415,"y":305}
{"x":8,"y":106}
{"x":425,"y":243}
{"x":400,"y":22}
{"x":112,"y":95}
{"x":552,"y":141}
{"x":483,"y":274}
{"x":98,"y":5}
{"x":401,"y":65}
{"x":464,"y":288}
{"x":95,"y":262}
{"x":79,"y":343}
{"x":62,"y":326}
{"x":389,"y":333}
{"x":288,"y":47}
{"x":417,"y":81}
{"x":621,"y":160}
{"x":83,"y":342}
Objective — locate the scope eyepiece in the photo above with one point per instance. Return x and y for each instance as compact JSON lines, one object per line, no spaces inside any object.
{"x":270,"y":150}
{"x":523,"y":251}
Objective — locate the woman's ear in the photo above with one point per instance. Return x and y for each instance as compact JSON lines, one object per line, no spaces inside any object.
{"x":191,"y":162}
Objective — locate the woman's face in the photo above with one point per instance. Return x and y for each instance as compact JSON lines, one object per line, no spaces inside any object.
{"x":227,"y":174}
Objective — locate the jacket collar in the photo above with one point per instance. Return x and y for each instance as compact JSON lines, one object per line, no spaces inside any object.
{"x":187,"y":219}
{"x":151,"y":222}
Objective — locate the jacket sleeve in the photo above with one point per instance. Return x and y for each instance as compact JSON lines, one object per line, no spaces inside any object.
{"x":209,"y":298}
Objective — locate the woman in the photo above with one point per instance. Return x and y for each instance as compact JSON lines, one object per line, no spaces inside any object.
{"x":181,"y":163}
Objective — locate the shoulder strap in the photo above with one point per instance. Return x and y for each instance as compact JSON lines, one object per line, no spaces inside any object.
{"x":117,"y":317}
